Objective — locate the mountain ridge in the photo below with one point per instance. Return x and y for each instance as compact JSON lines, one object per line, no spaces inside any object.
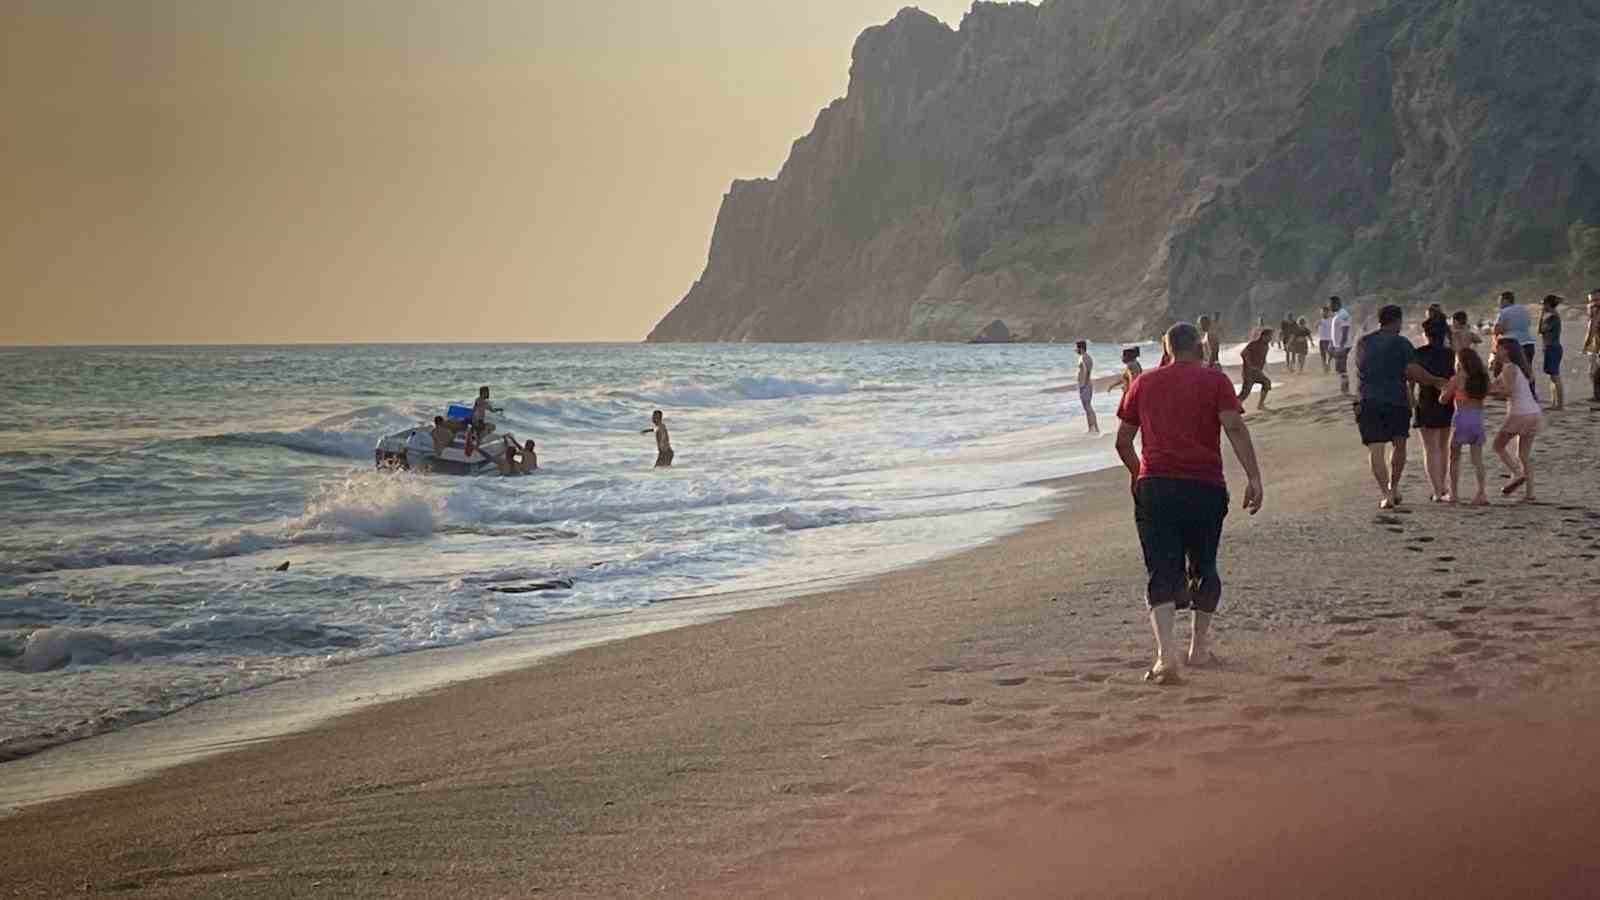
{"x":1100,"y":168}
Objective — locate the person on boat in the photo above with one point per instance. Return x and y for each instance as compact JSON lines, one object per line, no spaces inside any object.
{"x":664,"y":454}
{"x":480,"y":412}
{"x":479,"y":427}
{"x":443,"y":433}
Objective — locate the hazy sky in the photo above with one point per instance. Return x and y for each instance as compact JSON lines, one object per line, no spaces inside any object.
{"x":333,"y":170}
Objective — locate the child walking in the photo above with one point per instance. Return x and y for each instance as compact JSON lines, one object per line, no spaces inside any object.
{"x":1469,"y":387}
{"x":1513,"y":380}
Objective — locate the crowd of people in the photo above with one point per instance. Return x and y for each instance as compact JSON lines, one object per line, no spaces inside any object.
{"x":1178,"y":412}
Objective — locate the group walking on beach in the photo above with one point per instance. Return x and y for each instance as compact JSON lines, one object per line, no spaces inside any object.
{"x":1171,"y":420}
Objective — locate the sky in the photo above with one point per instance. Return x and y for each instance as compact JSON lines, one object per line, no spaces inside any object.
{"x":276,"y":171}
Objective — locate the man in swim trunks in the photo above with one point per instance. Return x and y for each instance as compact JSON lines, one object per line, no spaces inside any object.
{"x":1086,"y":386}
{"x":1255,"y":368}
{"x":1343,"y":337}
{"x":664,"y":454}
{"x":1385,"y":361}
{"x":1180,"y":495}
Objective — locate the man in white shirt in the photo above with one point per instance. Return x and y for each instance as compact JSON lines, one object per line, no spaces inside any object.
{"x":1342,"y":337}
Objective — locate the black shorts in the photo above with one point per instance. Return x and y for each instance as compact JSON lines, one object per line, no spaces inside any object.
{"x":1341,"y":361}
{"x":1180,"y":529}
{"x":1250,"y":379}
{"x":664,"y":458}
{"x":1325,"y":346}
{"x":1381,"y":423}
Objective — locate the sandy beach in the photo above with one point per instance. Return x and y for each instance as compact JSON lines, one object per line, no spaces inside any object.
{"x":1404,"y":706}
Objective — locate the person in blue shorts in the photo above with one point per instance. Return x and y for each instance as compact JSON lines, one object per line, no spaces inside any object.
{"x":1550,"y":337}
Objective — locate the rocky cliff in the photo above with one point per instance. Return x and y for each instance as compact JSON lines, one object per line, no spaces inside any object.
{"x":1100,"y":168}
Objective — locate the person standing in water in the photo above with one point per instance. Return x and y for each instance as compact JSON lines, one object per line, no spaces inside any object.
{"x":1086,"y":386}
{"x":1180,"y":495}
{"x":658,"y":425}
{"x":1550,"y":337}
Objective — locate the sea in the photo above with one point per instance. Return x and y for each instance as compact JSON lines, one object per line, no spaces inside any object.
{"x":151,"y":495}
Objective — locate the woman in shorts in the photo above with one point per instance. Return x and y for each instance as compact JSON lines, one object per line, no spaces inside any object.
{"x":1513,"y":380}
{"x":1469,"y":387}
{"x":1434,"y":414}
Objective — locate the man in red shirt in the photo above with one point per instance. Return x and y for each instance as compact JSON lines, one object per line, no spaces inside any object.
{"x":1180,"y":496}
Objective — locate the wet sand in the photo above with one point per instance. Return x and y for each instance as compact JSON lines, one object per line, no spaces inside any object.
{"x":974,"y":726}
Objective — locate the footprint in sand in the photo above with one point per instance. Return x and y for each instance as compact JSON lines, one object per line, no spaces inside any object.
{"x":1453,"y":594}
{"x":954,"y":701}
{"x":1447,"y":559}
{"x":1010,"y":682}
{"x":1201,"y":699}
{"x":1297,"y":679}
{"x":1334,"y":660}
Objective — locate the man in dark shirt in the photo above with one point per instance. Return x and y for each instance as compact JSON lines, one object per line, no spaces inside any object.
{"x":1254,"y":355}
{"x":1385,"y":361}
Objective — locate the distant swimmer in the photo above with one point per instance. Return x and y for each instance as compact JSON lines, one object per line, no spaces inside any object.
{"x":530,"y":459}
{"x":1086,"y":386}
{"x":664,"y":454}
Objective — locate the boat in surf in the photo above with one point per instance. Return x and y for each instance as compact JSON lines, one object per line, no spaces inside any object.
{"x":412,"y":450}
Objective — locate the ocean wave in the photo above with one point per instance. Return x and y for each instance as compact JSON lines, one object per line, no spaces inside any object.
{"x":372,"y":505}
{"x":804,"y":520}
{"x":350,"y":435}
{"x":687,"y":392}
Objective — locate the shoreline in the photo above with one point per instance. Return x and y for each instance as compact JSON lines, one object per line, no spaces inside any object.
{"x":736,"y":756}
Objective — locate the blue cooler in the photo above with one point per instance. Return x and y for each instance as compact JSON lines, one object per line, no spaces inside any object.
{"x":458,"y":412}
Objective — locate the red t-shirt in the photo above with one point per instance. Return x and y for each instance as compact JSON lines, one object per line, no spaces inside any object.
{"x":1178,"y":410}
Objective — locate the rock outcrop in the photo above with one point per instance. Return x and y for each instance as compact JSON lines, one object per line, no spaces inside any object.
{"x":995,"y":332}
{"x":1100,"y":168}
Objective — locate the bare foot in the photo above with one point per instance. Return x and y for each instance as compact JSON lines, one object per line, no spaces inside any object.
{"x":1205,"y":659}
{"x":1163,"y":673}
{"x":1386,"y":503}
{"x":1480,"y":500}
{"x":1448,"y":498}
{"x":1528,"y":500}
